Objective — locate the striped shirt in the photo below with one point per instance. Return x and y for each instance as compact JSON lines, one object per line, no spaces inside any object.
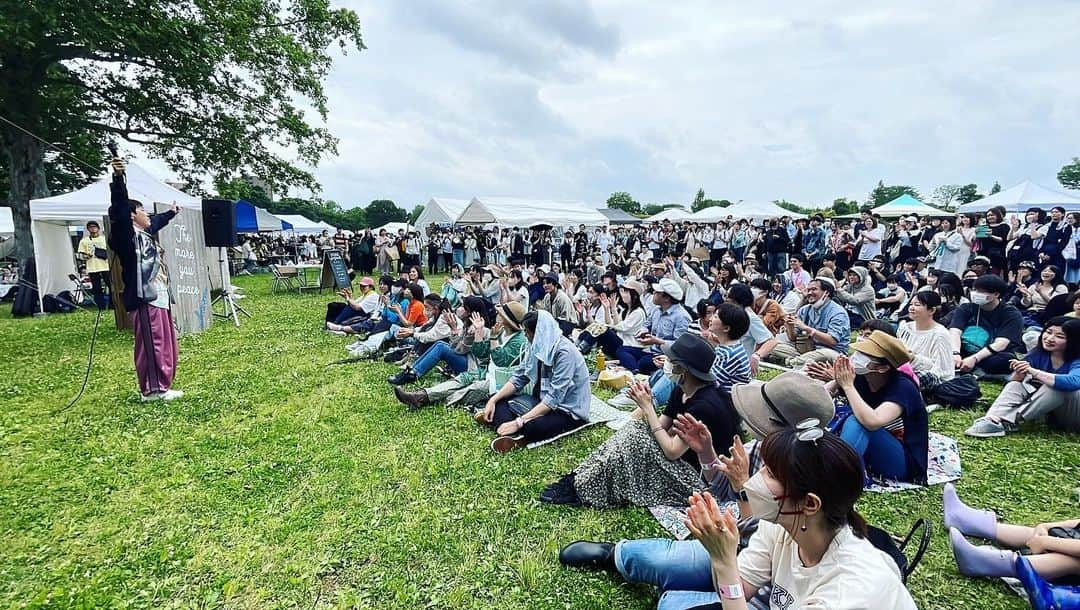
{"x":731,"y":366}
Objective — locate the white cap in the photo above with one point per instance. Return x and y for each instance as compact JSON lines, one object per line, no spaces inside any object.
{"x":669,"y":287}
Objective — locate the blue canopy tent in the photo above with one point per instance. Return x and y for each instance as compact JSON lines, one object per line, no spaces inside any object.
{"x":253,"y":219}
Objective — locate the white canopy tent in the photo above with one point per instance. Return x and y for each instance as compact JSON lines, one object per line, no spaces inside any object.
{"x":7,"y":225}
{"x":441,"y":211}
{"x":516,"y":212}
{"x":325,"y":226}
{"x":52,"y":217}
{"x":672,"y":214}
{"x":758,"y":212}
{"x":711,"y":214}
{"x":392,"y":227}
{"x":906,"y":205}
{"x":302,"y":225}
{"x":1025,"y":195}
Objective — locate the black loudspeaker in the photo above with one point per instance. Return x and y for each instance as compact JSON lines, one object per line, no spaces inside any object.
{"x":219,"y":223}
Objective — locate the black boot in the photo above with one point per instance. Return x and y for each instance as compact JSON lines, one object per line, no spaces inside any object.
{"x":589,"y":555}
{"x":562,"y":492}
{"x":402,"y":378}
{"x":412,"y":400}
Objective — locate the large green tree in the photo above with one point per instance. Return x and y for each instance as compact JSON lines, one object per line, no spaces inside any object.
{"x":621,"y":200}
{"x":382,"y":211}
{"x":701,"y":202}
{"x":1069,"y":176}
{"x":206,"y":85}
{"x":968,"y":193}
{"x":883,"y":193}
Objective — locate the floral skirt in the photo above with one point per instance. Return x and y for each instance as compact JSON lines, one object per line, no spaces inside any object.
{"x":631,"y":468}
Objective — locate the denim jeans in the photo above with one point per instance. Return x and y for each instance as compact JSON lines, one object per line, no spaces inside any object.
{"x":880,"y":451}
{"x":661,"y":388}
{"x":440,"y":351}
{"x":777,"y":262}
{"x":679,"y":568}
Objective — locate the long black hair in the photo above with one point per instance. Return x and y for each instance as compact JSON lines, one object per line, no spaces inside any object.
{"x":482,"y":306}
{"x":1071,"y":328}
{"x":827,"y":467}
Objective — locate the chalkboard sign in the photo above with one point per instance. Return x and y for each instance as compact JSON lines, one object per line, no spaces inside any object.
{"x":334,"y":272}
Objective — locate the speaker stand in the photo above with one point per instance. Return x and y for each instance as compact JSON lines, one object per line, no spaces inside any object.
{"x":229,"y":307}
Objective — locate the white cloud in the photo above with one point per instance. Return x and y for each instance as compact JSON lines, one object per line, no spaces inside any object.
{"x":804,"y":101}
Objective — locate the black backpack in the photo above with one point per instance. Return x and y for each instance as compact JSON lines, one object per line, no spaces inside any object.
{"x":960,"y":392}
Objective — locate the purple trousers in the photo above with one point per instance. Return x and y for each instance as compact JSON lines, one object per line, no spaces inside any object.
{"x":155,"y":348}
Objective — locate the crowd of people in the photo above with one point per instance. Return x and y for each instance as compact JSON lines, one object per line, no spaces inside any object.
{"x":877,"y":326}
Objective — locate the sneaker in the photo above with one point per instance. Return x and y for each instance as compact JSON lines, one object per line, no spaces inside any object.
{"x":338,"y":333}
{"x":506,"y":444}
{"x":402,"y":378}
{"x":152,"y":397}
{"x":168,"y":395}
{"x":984,"y":427}
{"x":622,"y":400}
{"x":930,"y":408}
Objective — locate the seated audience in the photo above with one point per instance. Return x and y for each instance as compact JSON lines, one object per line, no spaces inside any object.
{"x":357,"y":309}
{"x":769,"y":311}
{"x":405,"y":312}
{"x":480,"y":344}
{"x":927,"y":340}
{"x":856,"y":294}
{"x":626,"y":321}
{"x":784,"y":401}
{"x":810,"y":546}
{"x":561,"y":392}
{"x":758,"y":341}
{"x":986,"y":333}
{"x":646,"y":463}
{"x":667,"y":321}
{"x":1045,"y":384}
{"x":820,"y":330}
{"x":558,"y":303}
{"x":1052,"y":549}
{"x":888,"y":425}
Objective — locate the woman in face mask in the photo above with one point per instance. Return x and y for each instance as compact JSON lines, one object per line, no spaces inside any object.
{"x":810,"y":545}
{"x":646,"y":463}
{"x":888,"y":425}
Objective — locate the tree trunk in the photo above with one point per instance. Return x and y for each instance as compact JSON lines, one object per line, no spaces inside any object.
{"x":26,"y":170}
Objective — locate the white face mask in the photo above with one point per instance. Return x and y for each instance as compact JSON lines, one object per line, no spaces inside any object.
{"x":763,"y":504}
{"x":979,"y":298}
{"x":669,"y":372}
{"x":757,"y":292}
{"x":396,"y":290}
{"x":860,"y":362}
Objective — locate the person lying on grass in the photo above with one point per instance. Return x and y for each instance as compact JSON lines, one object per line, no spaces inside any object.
{"x":561,"y":392}
{"x":783,"y":401}
{"x":646,"y":463}
{"x":502,"y":345}
{"x":1044,"y":385}
{"x":1053,"y":549}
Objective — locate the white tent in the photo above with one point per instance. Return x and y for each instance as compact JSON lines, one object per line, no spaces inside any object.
{"x":516,"y":212}
{"x":710,"y":214}
{"x":441,"y":211}
{"x":301,"y":225}
{"x":327,"y":226}
{"x":51,"y":218}
{"x":906,"y":205}
{"x":1025,"y":195}
{"x":7,"y":225}
{"x":672,"y":214}
{"x":392,"y":227}
{"x":758,"y":212}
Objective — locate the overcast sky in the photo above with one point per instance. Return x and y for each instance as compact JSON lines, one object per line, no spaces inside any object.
{"x":804,"y":101}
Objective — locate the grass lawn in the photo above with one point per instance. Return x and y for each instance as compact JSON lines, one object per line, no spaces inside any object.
{"x":279,"y":482}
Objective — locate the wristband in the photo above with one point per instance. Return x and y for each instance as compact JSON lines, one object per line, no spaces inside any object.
{"x":734,"y":591}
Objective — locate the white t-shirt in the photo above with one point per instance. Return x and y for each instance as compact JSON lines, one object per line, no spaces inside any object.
{"x":851,"y":575}
{"x":870,"y":249}
{"x":931,"y":350}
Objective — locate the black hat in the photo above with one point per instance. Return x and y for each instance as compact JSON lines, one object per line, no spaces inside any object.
{"x":692,"y":353}
{"x":551,"y":277}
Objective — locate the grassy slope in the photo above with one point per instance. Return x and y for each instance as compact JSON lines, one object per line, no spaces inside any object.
{"x":277,"y":482}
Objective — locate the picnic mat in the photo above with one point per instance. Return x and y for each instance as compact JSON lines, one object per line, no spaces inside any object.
{"x":942,"y":466}
{"x":599,"y":413}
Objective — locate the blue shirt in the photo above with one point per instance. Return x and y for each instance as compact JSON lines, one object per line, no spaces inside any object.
{"x":814,"y":241}
{"x":564,"y":386}
{"x":831,"y":319}
{"x":731,"y":366}
{"x":668,"y":324}
{"x":1066,"y":378}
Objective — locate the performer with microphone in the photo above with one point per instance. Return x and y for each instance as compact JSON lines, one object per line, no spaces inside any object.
{"x":146,"y":288}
